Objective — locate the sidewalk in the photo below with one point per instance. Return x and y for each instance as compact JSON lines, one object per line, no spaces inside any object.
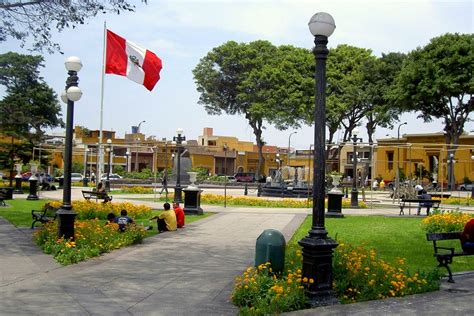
{"x":189,"y":272}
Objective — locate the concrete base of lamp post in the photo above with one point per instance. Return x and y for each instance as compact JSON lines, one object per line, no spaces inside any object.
{"x":18,"y":189}
{"x":317,"y":262}
{"x":192,"y":202}
{"x":354,"y":198}
{"x":66,"y":218}
{"x":335,"y":205}
{"x":33,"y":190}
{"x":178,"y":196}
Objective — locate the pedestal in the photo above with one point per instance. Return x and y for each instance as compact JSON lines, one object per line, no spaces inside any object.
{"x":18,"y":182}
{"x":335,"y":204}
{"x":192,"y":201}
{"x":317,"y":265}
{"x":66,"y":218}
{"x":33,"y":190}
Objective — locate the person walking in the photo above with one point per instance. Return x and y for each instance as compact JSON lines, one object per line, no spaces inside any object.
{"x":164,"y":184}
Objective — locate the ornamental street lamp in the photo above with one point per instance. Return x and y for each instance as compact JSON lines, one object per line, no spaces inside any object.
{"x":86,"y":151}
{"x":451,"y":163}
{"x":397,"y":175}
{"x":354,"y":192}
{"x":138,"y":140}
{"x":289,"y":146}
{"x":127,"y":156}
{"x":317,"y":246}
{"x":178,"y":140}
{"x":71,"y":94}
{"x":109,"y":150}
{"x":225,"y":175}
{"x":18,"y":179}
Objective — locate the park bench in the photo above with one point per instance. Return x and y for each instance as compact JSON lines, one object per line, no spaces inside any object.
{"x":403,"y":202}
{"x":97,"y":196}
{"x":43,"y":216}
{"x":2,"y":198}
{"x":445,"y":255}
{"x":440,"y":195}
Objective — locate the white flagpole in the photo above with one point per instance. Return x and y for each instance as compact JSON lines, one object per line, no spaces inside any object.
{"x":101,"y":150}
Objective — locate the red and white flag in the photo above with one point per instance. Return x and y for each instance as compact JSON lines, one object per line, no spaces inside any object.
{"x":125,"y":58}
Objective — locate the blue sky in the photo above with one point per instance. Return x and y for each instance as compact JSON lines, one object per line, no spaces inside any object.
{"x":181,"y":32}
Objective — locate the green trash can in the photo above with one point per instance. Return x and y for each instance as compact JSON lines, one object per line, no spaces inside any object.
{"x":270,"y":247}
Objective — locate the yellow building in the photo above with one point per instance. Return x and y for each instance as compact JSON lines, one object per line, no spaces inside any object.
{"x":415,"y":151}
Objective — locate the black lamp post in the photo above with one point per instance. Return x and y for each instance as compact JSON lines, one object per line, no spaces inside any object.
{"x":109,"y":150}
{"x":397,"y":172}
{"x":289,"y":147}
{"x":225,"y":175}
{"x":138,"y":140}
{"x":317,"y":246}
{"x":451,"y":163}
{"x":354,"y":192}
{"x":178,"y":140}
{"x":71,"y":94}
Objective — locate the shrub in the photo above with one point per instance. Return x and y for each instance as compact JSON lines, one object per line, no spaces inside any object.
{"x":136,"y":190}
{"x":459,"y":201}
{"x":92,"y":210}
{"x":359,"y":275}
{"x":92,"y":239}
{"x":445,"y":221}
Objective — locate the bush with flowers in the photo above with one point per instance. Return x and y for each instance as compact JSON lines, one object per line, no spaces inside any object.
{"x":91,"y":210}
{"x":445,"y":221}
{"x":359,"y":275}
{"x":459,"y":201}
{"x":92,"y":238}
{"x":136,"y":190}
{"x":259,"y":202}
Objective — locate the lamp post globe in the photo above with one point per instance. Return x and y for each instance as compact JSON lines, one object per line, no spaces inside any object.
{"x":317,"y":246}
{"x":71,"y":94}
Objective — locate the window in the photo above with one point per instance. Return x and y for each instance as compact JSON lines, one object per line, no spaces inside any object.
{"x":211,"y":143}
{"x":390,"y":160}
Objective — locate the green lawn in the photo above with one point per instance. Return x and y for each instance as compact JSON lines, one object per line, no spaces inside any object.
{"x":19,"y":214}
{"x":391,"y":237}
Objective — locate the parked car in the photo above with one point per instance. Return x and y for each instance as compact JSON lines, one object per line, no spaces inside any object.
{"x":466,"y":187}
{"x":75,"y":177}
{"x":245,"y":177}
{"x":112,"y":177}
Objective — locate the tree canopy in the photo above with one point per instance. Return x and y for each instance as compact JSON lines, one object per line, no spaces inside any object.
{"x":263,"y":82}
{"x":437,"y":81}
{"x":36,"y":19}
{"x":29,"y":105}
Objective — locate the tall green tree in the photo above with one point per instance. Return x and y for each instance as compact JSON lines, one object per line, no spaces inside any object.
{"x":36,"y":19}
{"x":380,"y":76}
{"x":29,"y":106}
{"x":348,"y":98}
{"x":437,"y":82}
{"x":266,"y":84}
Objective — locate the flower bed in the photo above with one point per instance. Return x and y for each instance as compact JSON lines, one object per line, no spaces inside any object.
{"x":136,"y":190}
{"x":445,"y":221}
{"x":93,"y":238}
{"x":92,"y":210}
{"x":259,"y":202}
{"x":359,"y":275}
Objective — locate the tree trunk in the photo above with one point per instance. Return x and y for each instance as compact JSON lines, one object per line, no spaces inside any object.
{"x":256,"y":125}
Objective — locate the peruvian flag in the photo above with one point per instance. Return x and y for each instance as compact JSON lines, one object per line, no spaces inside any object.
{"x":125,"y":58}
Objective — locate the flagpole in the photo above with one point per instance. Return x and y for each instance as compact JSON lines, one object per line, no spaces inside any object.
{"x":101,"y":150}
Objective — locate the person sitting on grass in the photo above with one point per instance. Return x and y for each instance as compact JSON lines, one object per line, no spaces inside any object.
{"x":180,"y":218}
{"x":467,"y":237}
{"x":166,"y":221}
{"x":123,"y":221}
{"x":111,"y":219}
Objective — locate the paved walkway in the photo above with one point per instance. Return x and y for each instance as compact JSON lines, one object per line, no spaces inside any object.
{"x":190,"y":272}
